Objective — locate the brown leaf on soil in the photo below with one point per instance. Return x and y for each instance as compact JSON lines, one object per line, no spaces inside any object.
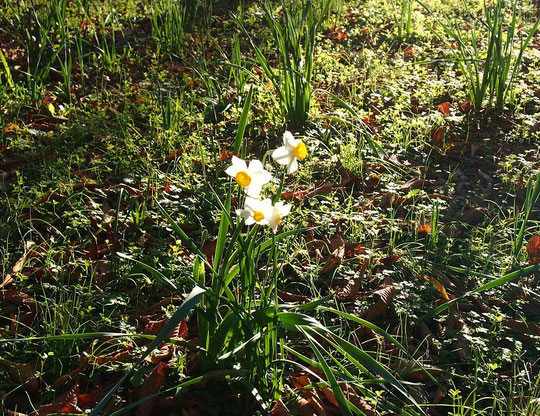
{"x":385,"y":296}
{"x":52,"y":196}
{"x":170,"y":156}
{"x":358,"y":401}
{"x":337,"y":247}
{"x":316,"y":248}
{"x":389,"y":261}
{"x":293,"y":196}
{"x":225,"y":155}
{"x":465,"y":106}
{"x":338,"y":35}
{"x":291,"y":297}
{"x":533,"y":250}
{"x":180,"y":332}
{"x":371,"y":182}
{"x":21,"y":373}
{"x":119,"y":355}
{"x":151,"y":385}
{"x":17,"y":267}
{"x":93,"y":250}
{"x":424,"y":229}
{"x":408,"y":53}
{"x":473,"y":216}
{"x":349,"y":291}
{"x":304,"y":407}
{"x":354,"y":250}
{"x":437,"y":137}
{"x":445,"y":107}
{"x":89,"y":400}
{"x":279,"y":409}
{"x":16,"y":297}
{"x":153,"y":327}
{"x":65,"y":403}
{"x":10,"y":127}
{"x":437,"y":285}
{"x":71,"y":375}
{"x":523,"y":328}
{"x":209,"y":249}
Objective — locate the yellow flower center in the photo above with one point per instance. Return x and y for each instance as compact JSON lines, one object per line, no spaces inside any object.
{"x":300,"y":151}
{"x":242,"y":178}
{"x":258,"y":216}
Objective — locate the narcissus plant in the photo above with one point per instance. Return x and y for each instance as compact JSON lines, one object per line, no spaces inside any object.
{"x":291,"y":151}
{"x":251,"y":178}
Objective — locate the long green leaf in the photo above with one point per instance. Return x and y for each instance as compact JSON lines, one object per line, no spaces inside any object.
{"x":188,"y":304}
{"x":243,"y":123}
{"x":489,"y":285}
{"x":336,"y":389}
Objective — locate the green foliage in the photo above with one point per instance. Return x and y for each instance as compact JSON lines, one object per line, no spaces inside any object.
{"x":490,"y":72}
{"x":294,"y":38}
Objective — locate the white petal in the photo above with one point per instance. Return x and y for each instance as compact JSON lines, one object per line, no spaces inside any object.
{"x":274,"y":222}
{"x":282,"y":155}
{"x":293,"y":166}
{"x":249,"y":221}
{"x":255,"y":166}
{"x":232,"y":171}
{"x":282,"y":209}
{"x":261,"y":177}
{"x":239,"y":163}
{"x":266,"y":203}
{"x":251,"y":204}
{"x":243,"y":213}
{"x":289,"y":141}
{"x":253,"y":190}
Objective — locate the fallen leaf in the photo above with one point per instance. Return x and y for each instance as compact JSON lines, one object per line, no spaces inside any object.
{"x":19,"y":298}
{"x":465,"y":106}
{"x":279,"y":409}
{"x":22,"y":373}
{"x":437,"y":285}
{"x":65,"y":403}
{"x":358,"y":401}
{"x":424,"y":229}
{"x":17,"y":267}
{"x":337,"y":247}
{"x":93,"y":250}
{"x":10,"y":127}
{"x":533,"y":250}
{"x":151,"y":386}
{"x":444,"y":108}
{"x":385,"y":296}
{"x":437,"y":137}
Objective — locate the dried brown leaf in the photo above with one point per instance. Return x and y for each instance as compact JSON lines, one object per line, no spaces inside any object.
{"x":337,"y":246}
{"x":22,"y":373}
{"x":17,"y":267}
{"x":385,"y":296}
{"x":533,"y":250}
{"x":151,"y":386}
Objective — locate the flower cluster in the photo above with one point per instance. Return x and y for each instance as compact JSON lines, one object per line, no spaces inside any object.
{"x":253,"y":177}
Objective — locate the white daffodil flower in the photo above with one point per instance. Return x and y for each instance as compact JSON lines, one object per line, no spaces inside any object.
{"x":250,"y":178}
{"x":279,"y":211}
{"x":256,"y":211}
{"x":291,"y":151}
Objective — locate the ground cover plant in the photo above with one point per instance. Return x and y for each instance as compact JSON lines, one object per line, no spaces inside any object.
{"x":286,"y":207}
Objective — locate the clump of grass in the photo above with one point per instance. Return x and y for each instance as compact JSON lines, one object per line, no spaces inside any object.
{"x":490,"y":72}
{"x":294,"y":36}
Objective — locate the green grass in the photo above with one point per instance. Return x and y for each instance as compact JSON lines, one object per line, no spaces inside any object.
{"x":400,"y":281}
